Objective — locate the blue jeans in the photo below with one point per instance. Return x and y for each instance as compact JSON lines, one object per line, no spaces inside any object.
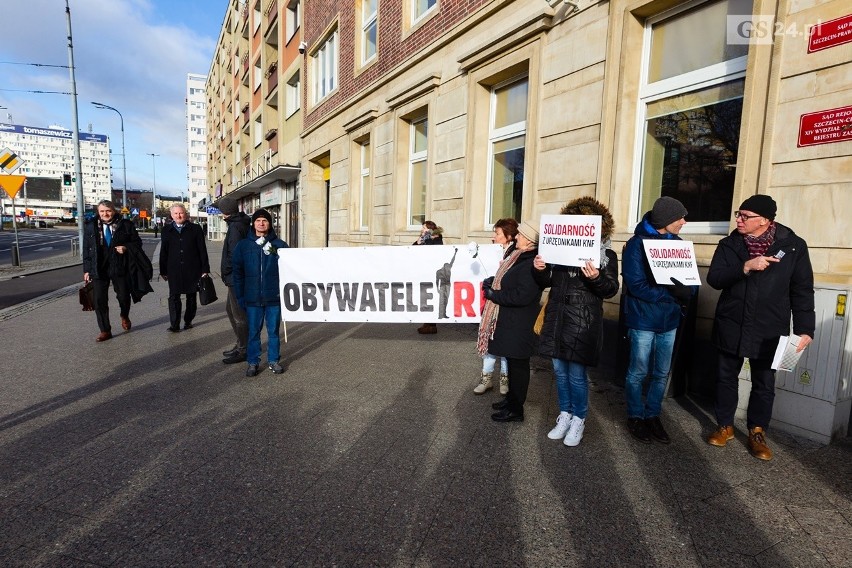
{"x":488,"y":362}
{"x":572,"y":387}
{"x":256,"y":315}
{"x":642,"y":345}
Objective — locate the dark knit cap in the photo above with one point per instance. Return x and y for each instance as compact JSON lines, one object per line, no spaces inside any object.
{"x":261,"y":213}
{"x":763,"y":205}
{"x":666,"y":211}
{"x":228,"y":206}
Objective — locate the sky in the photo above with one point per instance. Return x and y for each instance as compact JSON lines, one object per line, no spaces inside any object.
{"x":133,"y":55}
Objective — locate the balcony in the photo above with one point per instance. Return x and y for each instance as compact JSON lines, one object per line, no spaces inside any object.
{"x":271,"y":11}
{"x":271,"y":78}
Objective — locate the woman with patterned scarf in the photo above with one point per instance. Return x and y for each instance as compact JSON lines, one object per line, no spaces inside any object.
{"x":510,"y":311}
{"x":572,"y":333}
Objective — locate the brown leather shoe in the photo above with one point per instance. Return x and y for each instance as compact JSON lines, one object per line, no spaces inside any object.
{"x":721,"y":436}
{"x":103,"y":336}
{"x":125,"y":324}
{"x":757,"y":444}
{"x":428,"y":328}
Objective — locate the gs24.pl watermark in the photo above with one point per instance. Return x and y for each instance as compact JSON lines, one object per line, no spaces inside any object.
{"x":762,"y":30}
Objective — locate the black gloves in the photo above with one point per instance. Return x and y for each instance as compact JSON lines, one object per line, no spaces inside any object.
{"x":681,"y":292}
{"x":487,"y":291}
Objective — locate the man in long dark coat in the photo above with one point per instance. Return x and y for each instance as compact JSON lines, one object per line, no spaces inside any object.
{"x":183,"y":261}
{"x":108,"y":243}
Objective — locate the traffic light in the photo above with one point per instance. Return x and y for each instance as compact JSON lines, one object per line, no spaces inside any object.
{"x":66,"y":179}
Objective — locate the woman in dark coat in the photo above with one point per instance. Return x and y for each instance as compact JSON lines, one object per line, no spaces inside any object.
{"x":507,"y":320}
{"x":183,"y":260}
{"x":572,"y":333}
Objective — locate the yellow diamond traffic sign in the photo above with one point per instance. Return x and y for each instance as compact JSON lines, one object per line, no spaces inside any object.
{"x":9,"y":160}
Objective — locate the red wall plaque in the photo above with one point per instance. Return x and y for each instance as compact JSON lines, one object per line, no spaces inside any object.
{"x":829,"y":34}
{"x":826,"y":126}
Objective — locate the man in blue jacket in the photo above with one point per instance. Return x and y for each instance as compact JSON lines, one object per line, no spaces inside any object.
{"x":255,"y":280}
{"x":653,"y":314}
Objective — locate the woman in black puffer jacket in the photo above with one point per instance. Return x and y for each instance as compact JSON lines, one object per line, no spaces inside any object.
{"x":573,"y":322}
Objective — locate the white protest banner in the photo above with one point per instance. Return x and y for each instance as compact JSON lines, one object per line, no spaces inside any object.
{"x":570,"y":240}
{"x":423,"y":284}
{"x":672,"y":259}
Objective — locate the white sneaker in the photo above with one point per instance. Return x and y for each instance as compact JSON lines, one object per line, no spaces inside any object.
{"x":563,"y":422}
{"x":575,"y":433}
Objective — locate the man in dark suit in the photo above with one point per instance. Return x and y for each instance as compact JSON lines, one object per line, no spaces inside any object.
{"x":108,"y":242}
{"x":183,"y":261}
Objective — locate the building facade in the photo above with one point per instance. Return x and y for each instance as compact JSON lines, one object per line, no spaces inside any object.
{"x":254,"y":111}
{"x":49,"y":153}
{"x":466,"y":111}
{"x":196,"y":144}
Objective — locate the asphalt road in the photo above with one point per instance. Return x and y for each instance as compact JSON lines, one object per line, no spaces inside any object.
{"x":36,"y":244}
{"x":19,"y":290}
{"x":25,"y":288}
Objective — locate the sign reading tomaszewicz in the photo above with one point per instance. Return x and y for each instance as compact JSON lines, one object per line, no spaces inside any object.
{"x":672,"y":259}
{"x":424,"y":284}
{"x":570,"y":240}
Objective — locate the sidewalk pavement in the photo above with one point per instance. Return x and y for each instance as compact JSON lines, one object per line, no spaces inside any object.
{"x":371,"y":450}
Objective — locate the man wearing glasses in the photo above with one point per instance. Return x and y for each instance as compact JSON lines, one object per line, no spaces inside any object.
{"x":765,"y":275}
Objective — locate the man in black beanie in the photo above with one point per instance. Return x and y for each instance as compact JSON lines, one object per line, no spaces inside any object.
{"x":652,"y":314}
{"x":238,"y":228}
{"x":764,"y":272}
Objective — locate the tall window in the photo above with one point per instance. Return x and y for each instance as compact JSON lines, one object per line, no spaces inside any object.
{"x":365,"y":204}
{"x":692,"y":100}
{"x":419,"y":8}
{"x":294,"y":18}
{"x":417,"y":160}
{"x":369,"y":28}
{"x":293,"y":94}
{"x":325,"y":68}
{"x":507,"y":149}
{"x":257,"y":17}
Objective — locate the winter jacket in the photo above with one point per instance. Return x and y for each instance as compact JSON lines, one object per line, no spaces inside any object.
{"x":255,"y":273}
{"x":102,"y":262}
{"x":238,"y":229}
{"x":754,"y":309}
{"x":140,"y":272}
{"x":573,"y":316}
{"x":648,"y":306}
{"x":183,"y":257}
{"x":518,"y":298}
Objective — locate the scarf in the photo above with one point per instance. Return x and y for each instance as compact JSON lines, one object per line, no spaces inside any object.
{"x":492,"y":310}
{"x":757,"y":246}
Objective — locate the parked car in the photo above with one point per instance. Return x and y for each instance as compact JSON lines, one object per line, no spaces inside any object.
{"x":39,"y":224}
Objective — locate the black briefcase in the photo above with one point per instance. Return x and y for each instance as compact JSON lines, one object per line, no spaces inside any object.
{"x":206,"y":291}
{"x":87,"y":297}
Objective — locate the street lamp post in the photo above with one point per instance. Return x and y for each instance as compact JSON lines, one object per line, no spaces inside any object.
{"x":123,"y":151}
{"x":2,"y":204}
{"x":154,"y":165}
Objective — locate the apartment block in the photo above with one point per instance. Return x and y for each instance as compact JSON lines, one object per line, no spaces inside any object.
{"x":254,"y":92}
{"x":196,"y":145}
{"x":48,"y":152}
